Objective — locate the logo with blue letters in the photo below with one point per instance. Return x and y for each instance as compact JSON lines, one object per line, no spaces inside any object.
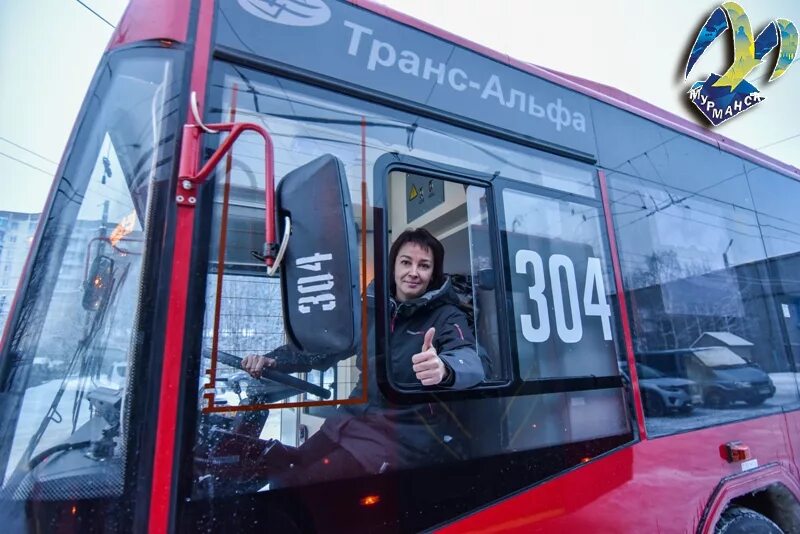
{"x":289,"y":12}
{"x":720,"y":98}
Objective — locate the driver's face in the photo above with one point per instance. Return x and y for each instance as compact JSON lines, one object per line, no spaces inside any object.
{"x":413,"y":269}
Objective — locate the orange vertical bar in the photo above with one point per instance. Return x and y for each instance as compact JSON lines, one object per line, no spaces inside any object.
{"x":223,"y":242}
{"x":364,"y":348}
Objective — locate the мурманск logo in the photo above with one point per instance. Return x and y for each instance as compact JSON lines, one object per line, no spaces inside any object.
{"x":720,"y":98}
{"x":289,"y":12}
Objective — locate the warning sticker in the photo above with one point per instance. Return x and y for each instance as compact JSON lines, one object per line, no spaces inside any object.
{"x":424,"y":194}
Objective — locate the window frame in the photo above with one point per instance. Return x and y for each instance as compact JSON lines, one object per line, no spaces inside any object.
{"x":560,"y":384}
{"x":495,"y":184}
{"x":384,"y":165}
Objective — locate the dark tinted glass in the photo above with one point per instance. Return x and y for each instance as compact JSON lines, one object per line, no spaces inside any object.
{"x":561,"y":286}
{"x":699,"y":287}
{"x":775,"y":197}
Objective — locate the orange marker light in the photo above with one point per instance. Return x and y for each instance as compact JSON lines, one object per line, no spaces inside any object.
{"x":735,"y":451}
{"x":370,"y":500}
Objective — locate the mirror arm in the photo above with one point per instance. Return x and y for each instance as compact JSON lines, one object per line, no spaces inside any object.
{"x":287,"y":231}
{"x":189,"y":178}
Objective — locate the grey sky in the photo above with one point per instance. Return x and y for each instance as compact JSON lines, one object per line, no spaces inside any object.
{"x":48,"y":53}
{"x":50,"y":48}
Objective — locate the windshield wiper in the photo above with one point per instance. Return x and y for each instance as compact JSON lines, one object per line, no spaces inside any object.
{"x":52,"y":413}
{"x":61,"y":447}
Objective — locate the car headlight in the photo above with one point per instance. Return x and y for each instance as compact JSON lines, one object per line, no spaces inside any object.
{"x":742,"y":384}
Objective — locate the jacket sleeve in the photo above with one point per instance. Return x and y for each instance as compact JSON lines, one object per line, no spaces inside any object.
{"x":289,"y":360}
{"x":455,"y":344}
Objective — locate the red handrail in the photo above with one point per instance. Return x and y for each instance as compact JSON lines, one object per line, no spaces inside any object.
{"x":190,"y":177}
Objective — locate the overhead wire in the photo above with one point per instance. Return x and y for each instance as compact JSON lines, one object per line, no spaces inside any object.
{"x":49,"y":173}
{"x":95,"y":13}
{"x":10,"y":142}
{"x":778,"y":141}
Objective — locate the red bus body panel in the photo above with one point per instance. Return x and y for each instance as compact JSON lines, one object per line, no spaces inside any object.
{"x":623,"y":306}
{"x":146,"y":20}
{"x":665,"y":484}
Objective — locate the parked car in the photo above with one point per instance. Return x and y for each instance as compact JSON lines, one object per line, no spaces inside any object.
{"x":118,"y":373}
{"x":724,"y":377}
{"x":664,"y":395}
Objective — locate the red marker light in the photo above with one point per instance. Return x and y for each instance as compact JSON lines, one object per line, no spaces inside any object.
{"x":370,"y":500}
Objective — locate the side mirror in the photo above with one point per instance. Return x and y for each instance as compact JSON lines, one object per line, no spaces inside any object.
{"x":319,"y":272}
{"x":98,"y":283}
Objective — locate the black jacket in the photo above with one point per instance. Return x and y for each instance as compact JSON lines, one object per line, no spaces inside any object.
{"x":382,"y":435}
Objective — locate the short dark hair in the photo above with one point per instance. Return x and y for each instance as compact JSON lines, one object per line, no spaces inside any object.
{"x":424,"y":239}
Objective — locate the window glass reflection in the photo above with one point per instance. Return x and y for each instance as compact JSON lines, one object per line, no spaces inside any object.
{"x":775,"y":197}
{"x":79,"y":340}
{"x":705,"y":321}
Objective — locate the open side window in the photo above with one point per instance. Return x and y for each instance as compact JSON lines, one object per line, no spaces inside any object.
{"x":456,"y":208}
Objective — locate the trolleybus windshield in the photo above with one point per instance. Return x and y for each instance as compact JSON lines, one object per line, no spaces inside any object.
{"x":78,"y":330}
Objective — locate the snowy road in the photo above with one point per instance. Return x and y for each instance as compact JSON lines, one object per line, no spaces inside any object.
{"x":786,"y":395}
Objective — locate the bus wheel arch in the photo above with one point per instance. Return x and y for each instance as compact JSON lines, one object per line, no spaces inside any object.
{"x":769,"y":492}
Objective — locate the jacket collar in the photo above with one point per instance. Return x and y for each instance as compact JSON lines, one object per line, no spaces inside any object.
{"x":431,"y":298}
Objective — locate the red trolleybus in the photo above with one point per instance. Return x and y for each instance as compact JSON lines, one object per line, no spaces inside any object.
{"x":235,"y":180}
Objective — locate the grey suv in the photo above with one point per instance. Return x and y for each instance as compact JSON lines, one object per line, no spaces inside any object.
{"x":664,"y":395}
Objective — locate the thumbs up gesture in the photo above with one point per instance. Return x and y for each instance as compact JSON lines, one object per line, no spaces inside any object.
{"x":427,"y":365}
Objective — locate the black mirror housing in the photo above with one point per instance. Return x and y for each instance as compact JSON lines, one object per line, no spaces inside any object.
{"x":319,"y":272}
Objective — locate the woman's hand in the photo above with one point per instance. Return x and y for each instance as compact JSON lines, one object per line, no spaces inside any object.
{"x":429,"y":368}
{"x":254,"y":364}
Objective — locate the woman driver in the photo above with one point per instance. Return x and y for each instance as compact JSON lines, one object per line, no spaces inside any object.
{"x":430,"y":343}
